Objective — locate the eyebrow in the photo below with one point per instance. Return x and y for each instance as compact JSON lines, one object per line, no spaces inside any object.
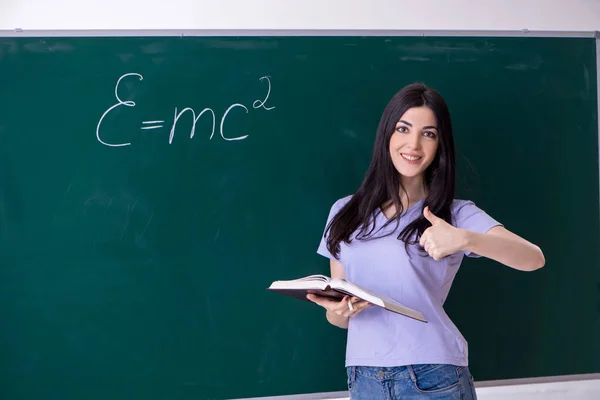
{"x":425,"y":127}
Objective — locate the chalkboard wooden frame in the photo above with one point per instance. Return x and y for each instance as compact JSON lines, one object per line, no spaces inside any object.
{"x":18,"y":32}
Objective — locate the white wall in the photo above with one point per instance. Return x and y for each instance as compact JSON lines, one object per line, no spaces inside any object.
{"x":573,"y":15}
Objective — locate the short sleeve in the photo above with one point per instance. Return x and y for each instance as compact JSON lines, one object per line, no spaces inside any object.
{"x":335,"y":208}
{"x":470,"y":217}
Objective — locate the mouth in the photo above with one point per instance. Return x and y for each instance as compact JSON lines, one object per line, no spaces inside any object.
{"x":411,"y":159}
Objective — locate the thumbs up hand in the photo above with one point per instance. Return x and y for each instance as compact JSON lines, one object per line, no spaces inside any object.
{"x":441,"y":239}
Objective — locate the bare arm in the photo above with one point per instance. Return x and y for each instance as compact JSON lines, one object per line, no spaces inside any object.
{"x":337,"y":271}
{"x":503,"y":246}
{"x":498,"y":244}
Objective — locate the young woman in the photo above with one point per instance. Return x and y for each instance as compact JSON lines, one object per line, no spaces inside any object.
{"x":404,"y":235}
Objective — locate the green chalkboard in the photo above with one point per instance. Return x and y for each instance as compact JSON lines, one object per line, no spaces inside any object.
{"x":139,"y":271}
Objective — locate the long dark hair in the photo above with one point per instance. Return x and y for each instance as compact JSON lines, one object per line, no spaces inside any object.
{"x":382,"y":182}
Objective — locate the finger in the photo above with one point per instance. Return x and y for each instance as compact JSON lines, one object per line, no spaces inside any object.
{"x":430,"y":217}
{"x":341,"y":308}
{"x":433,"y":252}
{"x":438,"y":255}
{"x":359,"y":307}
{"x":428,"y":245}
{"x":351,"y":307}
{"x":313,"y":298}
{"x":424,"y":237}
{"x":344,"y":302}
{"x":361,"y":304}
{"x":357,"y":303}
{"x":323,"y":302}
{"x":318,"y":300}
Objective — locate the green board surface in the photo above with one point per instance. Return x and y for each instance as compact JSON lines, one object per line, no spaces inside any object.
{"x":139,"y":271}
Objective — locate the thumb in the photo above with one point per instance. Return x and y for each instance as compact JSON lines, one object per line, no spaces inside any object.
{"x":430,"y":217}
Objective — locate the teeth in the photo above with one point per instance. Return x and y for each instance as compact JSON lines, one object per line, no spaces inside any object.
{"x":410,"y":158}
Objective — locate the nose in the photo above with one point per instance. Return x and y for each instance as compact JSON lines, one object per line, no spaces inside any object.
{"x":414,"y":140}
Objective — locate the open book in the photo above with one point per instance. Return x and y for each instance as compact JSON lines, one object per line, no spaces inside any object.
{"x":337,"y":288}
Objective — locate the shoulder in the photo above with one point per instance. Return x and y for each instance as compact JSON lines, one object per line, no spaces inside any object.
{"x":466,"y":214}
{"x":338,"y":205}
{"x":461,"y":209}
{"x":459,"y":205}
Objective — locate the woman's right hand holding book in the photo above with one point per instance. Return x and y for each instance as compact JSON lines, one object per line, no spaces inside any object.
{"x":338,"y":312}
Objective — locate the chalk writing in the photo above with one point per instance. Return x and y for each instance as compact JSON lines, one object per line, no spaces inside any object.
{"x":223,"y":121}
{"x":196,"y":118}
{"x":153,"y":126}
{"x":157,"y":124}
{"x":259,"y":104}
{"x":127,"y":103}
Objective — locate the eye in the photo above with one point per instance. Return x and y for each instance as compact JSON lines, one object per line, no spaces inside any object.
{"x":401,"y":129}
{"x":430,"y":134}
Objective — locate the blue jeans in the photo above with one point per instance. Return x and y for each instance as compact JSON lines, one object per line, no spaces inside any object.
{"x":423,"y":381}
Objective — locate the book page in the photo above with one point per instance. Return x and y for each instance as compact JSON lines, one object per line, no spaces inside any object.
{"x":316,"y":284}
{"x":352,"y":289}
{"x":386,"y":302}
{"x":321,"y":278}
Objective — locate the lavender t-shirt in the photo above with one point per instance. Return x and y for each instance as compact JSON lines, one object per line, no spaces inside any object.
{"x":377,"y":337}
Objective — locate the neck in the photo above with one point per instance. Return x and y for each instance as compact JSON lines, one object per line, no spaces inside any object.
{"x":414,"y":190}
